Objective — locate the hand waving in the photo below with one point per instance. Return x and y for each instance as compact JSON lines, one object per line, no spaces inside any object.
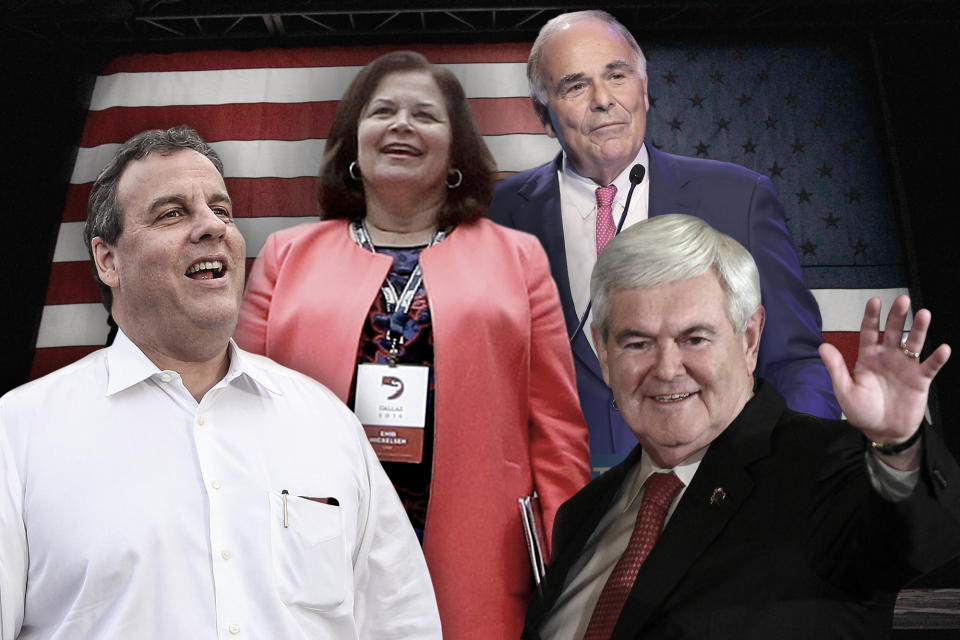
{"x":886,"y":394}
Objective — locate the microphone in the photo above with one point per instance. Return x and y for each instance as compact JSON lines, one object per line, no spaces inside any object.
{"x":636,"y":177}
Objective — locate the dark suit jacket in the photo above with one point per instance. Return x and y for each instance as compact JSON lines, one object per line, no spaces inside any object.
{"x":733,"y":200}
{"x":801,"y":547}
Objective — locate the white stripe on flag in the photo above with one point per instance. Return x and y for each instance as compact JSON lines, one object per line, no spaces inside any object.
{"x":301,"y":158}
{"x":290,"y":85}
{"x":68,"y":325}
{"x":256,"y":230}
{"x":85,"y":324}
{"x":521,"y":151}
{"x":70,"y":247}
{"x":842,"y":309}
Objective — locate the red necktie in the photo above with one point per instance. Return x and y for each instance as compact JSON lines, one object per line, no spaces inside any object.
{"x":605,"y":227}
{"x":660,"y":489}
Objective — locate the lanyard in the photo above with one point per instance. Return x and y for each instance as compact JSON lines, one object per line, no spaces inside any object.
{"x":397,"y":305}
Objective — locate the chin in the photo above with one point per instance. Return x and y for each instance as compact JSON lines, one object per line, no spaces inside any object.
{"x":215,"y":319}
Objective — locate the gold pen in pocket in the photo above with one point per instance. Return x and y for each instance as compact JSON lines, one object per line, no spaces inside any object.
{"x":286,"y":515}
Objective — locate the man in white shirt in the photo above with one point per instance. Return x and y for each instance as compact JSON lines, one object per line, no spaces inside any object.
{"x":776,"y":524}
{"x":174,"y":486}
{"x":588,"y":85}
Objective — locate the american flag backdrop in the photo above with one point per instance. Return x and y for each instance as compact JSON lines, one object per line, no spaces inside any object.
{"x":799,"y":114}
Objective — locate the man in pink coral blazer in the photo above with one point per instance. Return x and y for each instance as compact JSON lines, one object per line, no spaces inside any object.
{"x":507,"y":416}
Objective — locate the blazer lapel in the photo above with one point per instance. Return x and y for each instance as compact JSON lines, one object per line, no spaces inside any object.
{"x":575,"y":522}
{"x":584,"y":353}
{"x":669,"y":186}
{"x":701,"y":516}
{"x":542,"y":193}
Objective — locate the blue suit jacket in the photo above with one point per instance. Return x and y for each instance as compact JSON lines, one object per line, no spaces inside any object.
{"x":734,"y":200}
{"x":798,"y":545}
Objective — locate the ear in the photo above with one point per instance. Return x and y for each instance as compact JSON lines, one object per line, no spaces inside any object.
{"x":601,"y":352}
{"x":646,"y":97}
{"x":105,"y":260}
{"x":751,"y":337}
{"x":549,"y":130}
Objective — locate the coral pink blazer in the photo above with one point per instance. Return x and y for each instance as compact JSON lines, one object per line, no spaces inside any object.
{"x":507,"y":416}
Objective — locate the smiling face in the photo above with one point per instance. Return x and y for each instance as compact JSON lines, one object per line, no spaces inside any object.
{"x":176,"y":270}
{"x":679,"y":373}
{"x":404,"y":135}
{"x":596,"y":98}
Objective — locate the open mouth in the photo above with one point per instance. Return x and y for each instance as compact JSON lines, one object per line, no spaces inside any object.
{"x":673,"y":397}
{"x":401,"y":149}
{"x":206,"y":270}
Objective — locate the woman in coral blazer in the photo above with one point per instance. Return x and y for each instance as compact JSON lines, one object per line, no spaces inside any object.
{"x":405,"y":182}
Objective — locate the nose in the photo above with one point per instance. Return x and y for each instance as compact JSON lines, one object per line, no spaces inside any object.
{"x":401,"y":121}
{"x":669,"y":362}
{"x":207,"y":224}
{"x":602,"y":99}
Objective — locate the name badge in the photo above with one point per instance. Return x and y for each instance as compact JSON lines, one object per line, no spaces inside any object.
{"x":391,"y":403}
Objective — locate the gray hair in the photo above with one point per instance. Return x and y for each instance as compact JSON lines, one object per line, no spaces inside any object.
{"x":669,"y":248}
{"x":104,"y":217}
{"x":538,"y":86}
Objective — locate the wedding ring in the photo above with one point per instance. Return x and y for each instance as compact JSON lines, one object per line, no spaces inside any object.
{"x":913,"y":354}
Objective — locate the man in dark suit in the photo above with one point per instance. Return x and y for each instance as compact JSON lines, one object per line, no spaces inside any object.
{"x":588,"y":84}
{"x":778,"y":524}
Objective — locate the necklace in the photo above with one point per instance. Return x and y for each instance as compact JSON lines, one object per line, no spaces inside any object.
{"x":385,"y":238}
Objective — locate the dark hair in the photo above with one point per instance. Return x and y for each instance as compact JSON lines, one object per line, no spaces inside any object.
{"x":104,"y":218}
{"x":341,"y":196}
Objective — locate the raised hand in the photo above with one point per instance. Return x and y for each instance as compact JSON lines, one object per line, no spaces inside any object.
{"x":886,"y":393}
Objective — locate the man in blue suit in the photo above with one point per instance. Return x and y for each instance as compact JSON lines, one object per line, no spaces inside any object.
{"x":588,"y":85}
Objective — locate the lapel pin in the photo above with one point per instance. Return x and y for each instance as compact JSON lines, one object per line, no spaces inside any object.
{"x":718,"y":496}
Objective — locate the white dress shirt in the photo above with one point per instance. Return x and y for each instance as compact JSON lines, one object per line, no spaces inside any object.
{"x":129,"y":510}
{"x":578,"y":211}
{"x":570,"y":615}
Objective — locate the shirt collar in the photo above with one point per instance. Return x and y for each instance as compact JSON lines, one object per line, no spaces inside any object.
{"x":127,"y":365}
{"x":244,"y":363}
{"x":685,"y":470}
{"x":583,"y":190}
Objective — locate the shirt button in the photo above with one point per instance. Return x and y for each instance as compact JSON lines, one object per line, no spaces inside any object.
{"x":166,"y":377}
{"x":216,"y":484}
{"x":226,"y":555}
{"x":234,"y":629}
{"x":200,"y":420}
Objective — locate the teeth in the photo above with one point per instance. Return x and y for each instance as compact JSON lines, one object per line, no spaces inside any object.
{"x":215,"y":265}
{"x":672,"y":398}
{"x":396,"y":148}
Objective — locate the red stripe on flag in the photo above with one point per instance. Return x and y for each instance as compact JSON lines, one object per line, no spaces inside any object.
{"x":52,"y":358}
{"x":314,"y":57}
{"x":252,"y":198}
{"x":256,"y":121}
{"x":284,"y":197}
{"x":502,"y":116}
{"x":75,"y":206}
{"x":71,"y":283}
{"x":275,"y":121}
{"x":847,"y":342}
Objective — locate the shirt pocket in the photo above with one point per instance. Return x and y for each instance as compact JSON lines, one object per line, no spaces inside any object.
{"x":309,"y":556}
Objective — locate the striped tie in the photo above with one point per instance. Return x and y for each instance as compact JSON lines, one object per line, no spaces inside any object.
{"x":659,"y":491}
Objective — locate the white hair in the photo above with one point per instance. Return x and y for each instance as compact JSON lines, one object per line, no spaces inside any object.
{"x":669,"y":248}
